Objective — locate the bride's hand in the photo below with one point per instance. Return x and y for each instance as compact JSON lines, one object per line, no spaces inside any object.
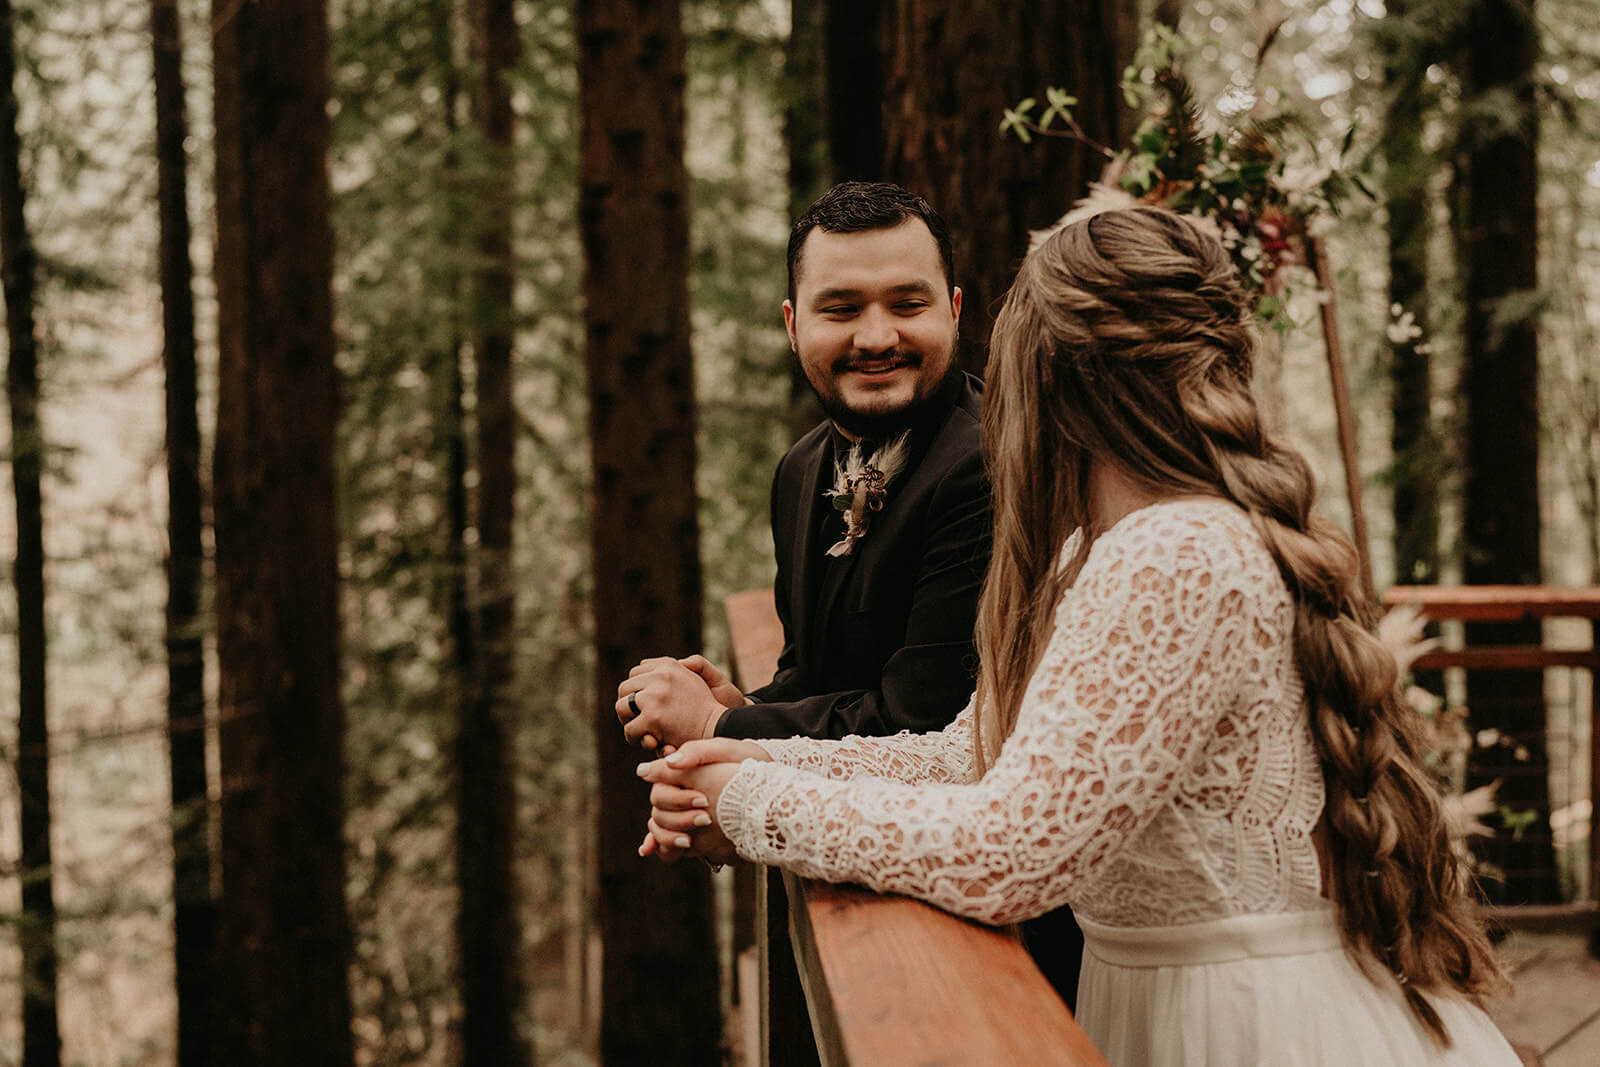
{"x":685,"y":788}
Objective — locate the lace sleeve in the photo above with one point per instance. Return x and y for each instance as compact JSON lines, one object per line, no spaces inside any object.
{"x":1146,"y":656}
{"x":946,"y":756}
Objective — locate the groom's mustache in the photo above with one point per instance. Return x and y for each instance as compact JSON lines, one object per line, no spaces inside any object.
{"x":861,"y":359}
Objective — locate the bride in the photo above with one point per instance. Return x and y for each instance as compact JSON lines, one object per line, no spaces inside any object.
{"x":1183,"y":726}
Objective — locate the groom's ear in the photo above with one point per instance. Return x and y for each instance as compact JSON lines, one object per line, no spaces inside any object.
{"x":788,"y":325}
{"x":955,"y":303}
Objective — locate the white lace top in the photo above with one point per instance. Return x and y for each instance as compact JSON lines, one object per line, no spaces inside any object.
{"x":1162,"y":769}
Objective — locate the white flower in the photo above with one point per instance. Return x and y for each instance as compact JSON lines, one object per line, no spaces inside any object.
{"x":1210,"y":225}
{"x":1423,"y":702}
{"x":1319,"y":224}
{"x":1403,"y":328}
{"x":1462,"y":813}
{"x":1302,"y":175}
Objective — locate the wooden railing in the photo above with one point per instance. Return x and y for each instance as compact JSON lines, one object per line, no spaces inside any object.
{"x":1509,"y":603}
{"x":887,"y":981}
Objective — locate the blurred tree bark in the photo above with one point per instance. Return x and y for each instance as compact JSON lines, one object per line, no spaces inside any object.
{"x":855,"y":64}
{"x":1498,"y":240}
{"x":806,"y":131}
{"x":1418,"y":458}
{"x":950,"y":72}
{"x":913,"y":93}
{"x":41,"y":1031}
{"x":194,"y":912}
{"x":283,"y":930}
{"x":659,"y":1002}
{"x":488,"y":927}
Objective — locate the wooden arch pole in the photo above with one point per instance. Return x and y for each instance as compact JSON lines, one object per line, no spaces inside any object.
{"x":1342,"y":410}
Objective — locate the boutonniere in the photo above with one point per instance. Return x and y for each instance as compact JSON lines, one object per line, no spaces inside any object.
{"x":860,"y":486}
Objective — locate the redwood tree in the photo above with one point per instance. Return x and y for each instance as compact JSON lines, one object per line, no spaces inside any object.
{"x":951,"y":70}
{"x":914,"y":92}
{"x":488,"y":931}
{"x":1417,"y":458}
{"x":41,"y":1032}
{"x":194,"y":914}
{"x":1498,"y":238}
{"x":283,"y":931}
{"x":855,"y":65}
{"x":659,"y":976}
{"x":808,"y":60}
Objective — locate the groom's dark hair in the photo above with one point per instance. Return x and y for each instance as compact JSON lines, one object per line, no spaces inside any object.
{"x":851,"y":207}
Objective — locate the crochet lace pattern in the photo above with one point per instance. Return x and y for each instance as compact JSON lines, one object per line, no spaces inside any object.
{"x":1162,"y":769}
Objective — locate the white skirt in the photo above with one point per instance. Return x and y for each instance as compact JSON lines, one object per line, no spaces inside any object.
{"x":1270,"y":990}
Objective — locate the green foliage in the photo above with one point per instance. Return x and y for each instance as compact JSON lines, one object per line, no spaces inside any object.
{"x":410,"y":172}
{"x":1257,"y":179}
{"x":738,"y":174}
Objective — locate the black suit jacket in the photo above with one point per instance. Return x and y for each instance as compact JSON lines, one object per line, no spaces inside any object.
{"x":880,"y":640}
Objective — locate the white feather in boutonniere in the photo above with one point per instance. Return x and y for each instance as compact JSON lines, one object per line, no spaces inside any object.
{"x":860,"y":486}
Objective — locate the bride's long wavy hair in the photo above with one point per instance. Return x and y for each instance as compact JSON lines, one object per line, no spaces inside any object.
{"x":1126,"y":339}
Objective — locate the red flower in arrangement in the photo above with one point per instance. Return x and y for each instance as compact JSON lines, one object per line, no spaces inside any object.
{"x":1280,"y":236}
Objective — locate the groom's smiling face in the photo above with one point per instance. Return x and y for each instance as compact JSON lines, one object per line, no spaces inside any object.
{"x":873,"y":321}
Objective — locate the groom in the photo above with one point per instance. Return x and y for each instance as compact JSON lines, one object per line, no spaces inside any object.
{"x":877,"y":584}
{"x":878,"y":570}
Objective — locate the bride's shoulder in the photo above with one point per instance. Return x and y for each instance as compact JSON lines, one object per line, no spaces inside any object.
{"x":1183,"y":535}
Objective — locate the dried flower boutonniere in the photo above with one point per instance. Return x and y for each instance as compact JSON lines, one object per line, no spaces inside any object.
{"x":861,"y":486}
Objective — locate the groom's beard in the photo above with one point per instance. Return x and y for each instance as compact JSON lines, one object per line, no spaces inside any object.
{"x":880,"y":425}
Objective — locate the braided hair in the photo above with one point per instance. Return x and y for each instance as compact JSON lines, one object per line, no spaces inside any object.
{"x":1126,"y":339}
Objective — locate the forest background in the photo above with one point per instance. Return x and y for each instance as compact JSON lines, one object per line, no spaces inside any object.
{"x":529,"y":495}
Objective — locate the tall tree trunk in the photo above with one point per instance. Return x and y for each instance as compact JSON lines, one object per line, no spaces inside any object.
{"x":951,"y":72}
{"x":855,"y":65}
{"x":1418,"y":458}
{"x":659,"y":976}
{"x":488,"y":927}
{"x":194,"y":912}
{"x":283,"y":929}
{"x":41,"y":1032}
{"x":452,"y":428}
{"x":1499,"y":244}
{"x":805,"y":128}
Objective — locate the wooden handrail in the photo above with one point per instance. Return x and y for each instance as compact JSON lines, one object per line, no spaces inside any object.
{"x":1498,"y":603}
{"x":1507,"y":603}
{"x":892,"y":982}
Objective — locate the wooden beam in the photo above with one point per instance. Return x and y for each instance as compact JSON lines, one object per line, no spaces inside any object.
{"x":1509,"y":658}
{"x":1498,"y":602}
{"x":756,"y":636}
